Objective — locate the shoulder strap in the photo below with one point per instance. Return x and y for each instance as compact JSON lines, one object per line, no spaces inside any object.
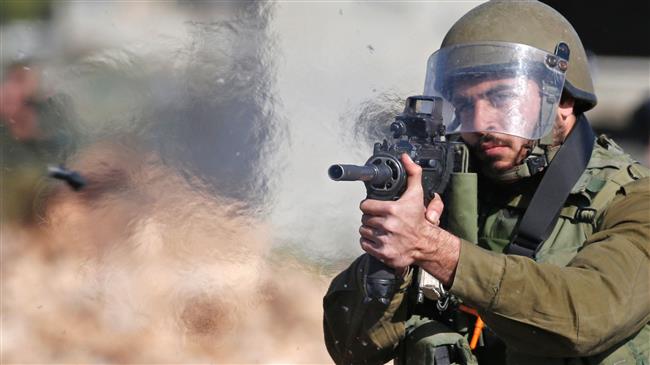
{"x":562,"y":174}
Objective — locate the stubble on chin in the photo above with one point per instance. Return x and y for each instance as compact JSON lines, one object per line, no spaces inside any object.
{"x":495,"y":164}
{"x":516,"y":152}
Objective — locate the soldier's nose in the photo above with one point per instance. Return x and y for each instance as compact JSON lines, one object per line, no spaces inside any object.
{"x":483,"y":118}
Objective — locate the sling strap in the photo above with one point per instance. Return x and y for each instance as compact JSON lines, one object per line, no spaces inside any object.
{"x":562,"y":174}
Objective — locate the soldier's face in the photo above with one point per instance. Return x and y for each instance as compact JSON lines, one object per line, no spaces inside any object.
{"x":489,"y":108}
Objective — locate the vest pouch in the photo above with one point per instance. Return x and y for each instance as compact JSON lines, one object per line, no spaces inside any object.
{"x":429,"y":342}
{"x":461,"y":206}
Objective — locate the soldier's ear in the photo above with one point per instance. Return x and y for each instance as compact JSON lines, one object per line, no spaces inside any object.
{"x":565,"y":118}
{"x":566,"y":107}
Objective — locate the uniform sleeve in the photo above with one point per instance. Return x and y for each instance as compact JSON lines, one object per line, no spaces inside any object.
{"x":601,"y":298}
{"x":357,"y":331}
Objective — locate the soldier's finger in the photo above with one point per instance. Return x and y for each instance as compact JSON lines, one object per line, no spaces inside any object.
{"x":372,"y":221}
{"x":375,"y":207}
{"x":372,"y":233}
{"x":370,"y":247}
{"x":434,"y":210}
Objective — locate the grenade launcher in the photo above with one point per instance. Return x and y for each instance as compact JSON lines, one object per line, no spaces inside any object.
{"x":418,"y":131}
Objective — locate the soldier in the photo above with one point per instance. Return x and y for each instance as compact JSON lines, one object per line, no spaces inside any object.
{"x":37,"y":129}
{"x":559,"y":272}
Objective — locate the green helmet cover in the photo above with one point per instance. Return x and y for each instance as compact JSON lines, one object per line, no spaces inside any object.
{"x":534,"y":24}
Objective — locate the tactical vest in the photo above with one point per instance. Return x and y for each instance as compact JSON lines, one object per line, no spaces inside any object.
{"x":608,"y":170}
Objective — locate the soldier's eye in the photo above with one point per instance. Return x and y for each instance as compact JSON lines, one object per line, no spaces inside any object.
{"x":462,"y":105}
{"x":502,"y":98}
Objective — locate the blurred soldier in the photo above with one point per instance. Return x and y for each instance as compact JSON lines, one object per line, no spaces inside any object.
{"x":20,"y":88}
{"x":559,"y":271}
{"x":36,"y":129}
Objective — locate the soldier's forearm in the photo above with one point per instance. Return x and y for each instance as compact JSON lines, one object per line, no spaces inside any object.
{"x":439,"y":256}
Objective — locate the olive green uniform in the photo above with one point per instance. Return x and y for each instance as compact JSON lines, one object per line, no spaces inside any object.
{"x":585,"y":300}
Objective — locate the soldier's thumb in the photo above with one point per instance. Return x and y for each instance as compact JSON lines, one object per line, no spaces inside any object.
{"x":434,"y":210}
{"x":413,"y":172}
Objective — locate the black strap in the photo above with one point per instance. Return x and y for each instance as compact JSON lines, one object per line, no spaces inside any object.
{"x":562,"y":174}
{"x":441,"y":355}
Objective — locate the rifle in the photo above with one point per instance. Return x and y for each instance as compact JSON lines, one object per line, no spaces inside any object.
{"x":73,"y":178}
{"x":418,"y":131}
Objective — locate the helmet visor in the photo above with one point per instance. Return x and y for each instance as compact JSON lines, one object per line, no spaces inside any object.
{"x":496,"y":87}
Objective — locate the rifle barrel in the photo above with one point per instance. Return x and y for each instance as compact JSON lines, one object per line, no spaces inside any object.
{"x":351,"y":173}
{"x":357,"y":173}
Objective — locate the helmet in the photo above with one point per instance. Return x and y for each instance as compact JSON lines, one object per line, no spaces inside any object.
{"x":525,"y":42}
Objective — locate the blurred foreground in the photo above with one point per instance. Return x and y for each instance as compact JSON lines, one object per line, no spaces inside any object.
{"x":143,"y":269}
{"x":167,"y":254}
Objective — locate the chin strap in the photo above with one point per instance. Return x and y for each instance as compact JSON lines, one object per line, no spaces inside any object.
{"x":541,"y":155}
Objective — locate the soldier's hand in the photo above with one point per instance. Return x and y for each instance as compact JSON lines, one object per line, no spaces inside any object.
{"x":398,"y":232}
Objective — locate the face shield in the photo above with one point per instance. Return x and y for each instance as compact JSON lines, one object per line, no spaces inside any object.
{"x":496,"y":87}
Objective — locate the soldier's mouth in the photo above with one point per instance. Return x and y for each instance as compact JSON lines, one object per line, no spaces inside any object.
{"x":491,"y":149}
{"x":490,"y":141}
